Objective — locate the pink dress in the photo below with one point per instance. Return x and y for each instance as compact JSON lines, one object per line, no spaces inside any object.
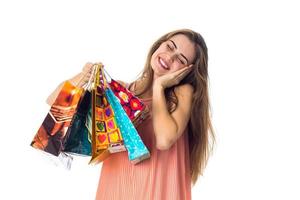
{"x":164,"y":176}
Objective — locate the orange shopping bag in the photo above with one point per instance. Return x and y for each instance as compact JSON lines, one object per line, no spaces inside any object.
{"x":51,"y":134}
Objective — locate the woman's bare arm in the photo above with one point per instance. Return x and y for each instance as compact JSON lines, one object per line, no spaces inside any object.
{"x":78,"y":80}
{"x":168,"y":127}
{"x":75,"y":80}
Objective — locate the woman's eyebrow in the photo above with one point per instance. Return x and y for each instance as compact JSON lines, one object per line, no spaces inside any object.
{"x":180,"y":53}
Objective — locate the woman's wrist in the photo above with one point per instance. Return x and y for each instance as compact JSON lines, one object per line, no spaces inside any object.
{"x":158,"y":89}
{"x":76,"y":79}
{"x":158,"y":86}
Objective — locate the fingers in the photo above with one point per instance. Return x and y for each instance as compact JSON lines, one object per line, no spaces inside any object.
{"x":87,"y":71}
{"x":87,"y":67}
{"x":184,"y":70}
{"x":182,"y":73}
{"x":99,"y":63}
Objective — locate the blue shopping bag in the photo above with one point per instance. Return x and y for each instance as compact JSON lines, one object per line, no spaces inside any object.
{"x":137,"y":151}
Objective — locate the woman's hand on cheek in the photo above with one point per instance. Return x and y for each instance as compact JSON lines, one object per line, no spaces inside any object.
{"x":168,"y":80}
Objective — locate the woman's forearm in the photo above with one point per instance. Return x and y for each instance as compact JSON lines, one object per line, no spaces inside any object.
{"x":74,"y":80}
{"x":163,"y":123}
{"x":77,"y":80}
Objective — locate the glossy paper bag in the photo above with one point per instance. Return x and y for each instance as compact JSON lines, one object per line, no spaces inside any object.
{"x":51,"y":133}
{"x":137,"y":151}
{"x":106,"y":136}
{"x":78,"y":140}
{"x":136,"y":110}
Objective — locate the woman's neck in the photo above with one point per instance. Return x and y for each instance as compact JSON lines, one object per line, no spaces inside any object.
{"x":138,"y":85}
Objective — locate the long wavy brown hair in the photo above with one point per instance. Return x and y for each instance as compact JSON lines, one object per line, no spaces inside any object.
{"x":200,"y":131}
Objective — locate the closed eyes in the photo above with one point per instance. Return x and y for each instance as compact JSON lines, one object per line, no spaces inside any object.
{"x":180,"y":58}
{"x":171,"y":46}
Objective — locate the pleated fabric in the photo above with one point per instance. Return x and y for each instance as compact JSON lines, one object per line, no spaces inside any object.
{"x":164,"y":176}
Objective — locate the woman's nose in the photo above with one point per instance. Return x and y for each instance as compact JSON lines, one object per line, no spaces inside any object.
{"x":171,"y":57}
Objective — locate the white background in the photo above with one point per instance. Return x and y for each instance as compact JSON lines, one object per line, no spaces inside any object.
{"x":254,"y":86}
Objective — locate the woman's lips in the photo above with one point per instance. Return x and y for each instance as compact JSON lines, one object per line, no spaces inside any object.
{"x":163,"y":64}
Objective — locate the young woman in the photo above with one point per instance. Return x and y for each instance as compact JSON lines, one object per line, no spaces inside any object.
{"x":178,"y":133}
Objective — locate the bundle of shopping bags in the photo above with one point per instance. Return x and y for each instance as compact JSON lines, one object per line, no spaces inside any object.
{"x":97,"y":119}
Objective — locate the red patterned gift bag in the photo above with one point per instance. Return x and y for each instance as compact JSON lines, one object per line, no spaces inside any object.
{"x":136,"y":110}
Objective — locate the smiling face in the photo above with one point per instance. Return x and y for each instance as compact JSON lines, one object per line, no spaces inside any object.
{"x":174,"y":54}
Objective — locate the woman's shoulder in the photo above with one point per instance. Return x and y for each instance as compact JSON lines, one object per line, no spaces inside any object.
{"x":184,"y":94}
{"x":130,"y":86}
{"x":124,"y":84}
{"x":185,"y":89}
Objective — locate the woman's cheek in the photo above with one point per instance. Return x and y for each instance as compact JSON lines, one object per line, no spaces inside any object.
{"x":175,"y":67}
{"x":152,"y":62}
